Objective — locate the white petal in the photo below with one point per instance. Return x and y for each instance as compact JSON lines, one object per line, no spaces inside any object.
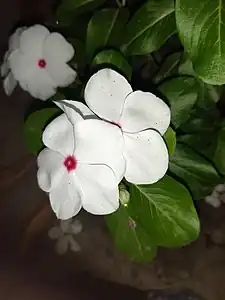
{"x":65,"y":198}
{"x":32,"y":40}
{"x":100,"y":142}
{"x":5,"y":65}
{"x":215,"y":202}
{"x":9,"y":84}
{"x":76,"y":227}
{"x":144,"y":110}
{"x":105,"y":94}
{"x":146,"y":157}
{"x":99,"y":188}
{"x":220,"y":188}
{"x":55,"y":233}
{"x":56,"y":48}
{"x":69,"y":106}
{"x":65,"y":224}
{"x":59,"y":135}
{"x":51,"y":169}
{"x":73,"y":244}
{"x":31,"y":78}
{"x":14,"y":40}
{"x":62,"y":245}
{"x":60,"y":73}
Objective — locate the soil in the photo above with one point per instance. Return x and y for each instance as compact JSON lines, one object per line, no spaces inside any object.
{"x":194,"y":272}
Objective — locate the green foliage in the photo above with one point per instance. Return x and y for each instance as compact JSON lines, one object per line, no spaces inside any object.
{"x":170,"y":139}
{"x":166,"y":211}
{"x":34,"y":127}
{"x":201,"y":26}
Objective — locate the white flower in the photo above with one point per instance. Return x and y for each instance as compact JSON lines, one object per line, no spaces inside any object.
{"x":9,"y":82}
{"x":38,"y":61}
{"x":64,"y":234}
{"x":82,"y":165}
{"x":141,"y":117}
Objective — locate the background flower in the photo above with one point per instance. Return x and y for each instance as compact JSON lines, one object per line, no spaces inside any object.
{"x":142,"y":118}
{"x":38,"y":61}
{"x":64,"y":234}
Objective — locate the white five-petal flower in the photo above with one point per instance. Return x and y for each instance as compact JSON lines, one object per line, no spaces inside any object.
{"x":64,"y":234}
{"x":38,"y":61}
{"x":82,"y":165}
{"x":140,"y":116}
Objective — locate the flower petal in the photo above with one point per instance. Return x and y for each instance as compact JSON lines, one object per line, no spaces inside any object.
{"x":76,"y":227}
{"x":73,"y":244}
{"x":55,"y":232}
{"x":14,"y":40}
{"x":68,"y":106}
{"x":105,"y":94}
{"x":32,"y":40}
{"x":144,"y":110}
{"x":31,"y":78}
{"x":56,"y":48}
{"x":5,"y":65}
{"x":59,"y":135}
{"x":9,"y":84}
{"x":65,"y":198}
{"x":105,"y":142}
{"x":50,"y":170}
{"x":62,"y":245}
{"x":60,"y":73}
{"x":65,"y":224}
{"x":146,"y":157}
{"x":99,"y":189}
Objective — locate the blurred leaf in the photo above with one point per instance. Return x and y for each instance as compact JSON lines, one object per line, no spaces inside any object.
{"x":129,"y":236}
{"x":201,"y":25}
{"x":34,"y":125}
{"x":166,"y":211}
{"x":193,"y":169}
{"x":219,"y":154}
{"x":150,"y":27}
{"x":169,"y":67}
{"x":182,"y":94}
{"x":114,"y":58}
{"x":185,"y":66}
{"x":170,"y":139}
{"x":106,"y":29}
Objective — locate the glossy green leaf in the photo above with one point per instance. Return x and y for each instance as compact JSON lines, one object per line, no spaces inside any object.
{"x":186,"y":66}
{"x":170,"y":139}
{"x":129,"y":236}
{"x":150,"y":27}
{"x":165,"y":210}
{"x":106,"y":29}
{"x":69,"y":10}
{"x":114,"y":58}
{"x":169,"y":67}
{"x":201,"y":25}
{"x":34,"y":125}
{"x":194,"y":170}
{"x":182,"y":94}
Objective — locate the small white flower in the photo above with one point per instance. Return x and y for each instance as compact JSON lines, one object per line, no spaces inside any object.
{"x":38,"y":61}
{"x":9,"y":82}
{"x":214,"y":201}
{"x":82,"y":165}
{"x":141,"y":117}
{"x":64,"y":234}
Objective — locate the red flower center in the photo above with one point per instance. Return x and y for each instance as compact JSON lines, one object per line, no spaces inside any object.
{"x":42,"y":63}
{"x":70,"y":163}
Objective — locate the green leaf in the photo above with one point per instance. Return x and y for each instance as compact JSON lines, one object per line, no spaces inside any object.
{"x":114,"y":58}
{"x":69,"y":10}
{"x":170,"y":139}
{"x":198,"y":173}
{"x":166,"y":211}
{"x":182,"y":94}
{"x":106,"y":29}
{"x":219,"y":154}
{"x":168,"y":67}
{"x":201,"y":25}
{"x":150,"y":27}
{"x":34,"y":125}
{"x":186,"y":66}
{"x":130,"y":237}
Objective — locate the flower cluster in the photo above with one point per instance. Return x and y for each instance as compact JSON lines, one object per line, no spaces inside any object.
{"x":91,"y":148}
{"x":217,"y":197}
{"x":37,"y":60}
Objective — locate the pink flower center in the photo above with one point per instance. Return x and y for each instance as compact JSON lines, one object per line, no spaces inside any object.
{"x":70,"y":163}
{"x":116,"y":124}
{"x":42,"y":63}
